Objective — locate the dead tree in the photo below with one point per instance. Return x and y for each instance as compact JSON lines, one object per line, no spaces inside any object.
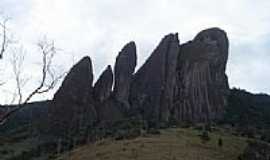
{"x":17,"y":61}
{"x":48,"y":81}
{"x":3,"y":35}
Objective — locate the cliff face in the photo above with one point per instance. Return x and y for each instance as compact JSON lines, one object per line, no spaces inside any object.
{"x":124,"y":68}
{"x":103,"y":86}
{"x":152,"y":86}
{"x":182,"y":82}
{"x":202,"y":84}
{"x":115,"y":105}
{"x":72,"y":107}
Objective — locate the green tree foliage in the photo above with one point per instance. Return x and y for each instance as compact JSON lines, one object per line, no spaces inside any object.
{"x":248,"y":111}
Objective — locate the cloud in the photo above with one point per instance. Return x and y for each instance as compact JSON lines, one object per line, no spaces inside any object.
{"x":100,"y":28}
{"x":248,"y":65}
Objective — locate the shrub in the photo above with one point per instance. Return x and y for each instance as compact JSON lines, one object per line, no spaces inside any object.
{"x":153,"y":131}
{"x":256,"y":150}
{"x":205,"y":136}
{"x":220,"y":142}
{"x":4,"y":152}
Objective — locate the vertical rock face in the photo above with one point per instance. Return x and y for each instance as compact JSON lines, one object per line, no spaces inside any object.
{"x":116,"y":106}
{"x":103,"y":86}
{"x":124,"y":68}
{"x":187,"y":83}
{"x":152,"y":86}
{"x":105,"y":104}
{"x":72,"y":107}
{"x":202,"y":84}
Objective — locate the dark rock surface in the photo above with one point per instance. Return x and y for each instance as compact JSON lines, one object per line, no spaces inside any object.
{"x":72,"y":108}
{"x":152,"y":86}
{"x":116,"y":107}
{"x":111,"y":110}
{"x":107,"y":106}
{"x":123,"y":70}
{"x":103,"y":86}
{"x":202,"y":84}
{"x":181,"y":82}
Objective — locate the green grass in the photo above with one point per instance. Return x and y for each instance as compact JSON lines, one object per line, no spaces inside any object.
{"x":171,"y":144}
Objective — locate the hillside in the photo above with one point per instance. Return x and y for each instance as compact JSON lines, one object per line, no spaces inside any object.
{"x":171,"y":144}
{"x":180,"y":84}
{"x":248,"y":112}
{"x":245,"y":112}
{"x":31,"y":114}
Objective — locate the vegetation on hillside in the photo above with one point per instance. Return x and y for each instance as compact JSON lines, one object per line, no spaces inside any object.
{"x":171,"y":144}
{"x":249,"y":113}
{"x":246,"y":114}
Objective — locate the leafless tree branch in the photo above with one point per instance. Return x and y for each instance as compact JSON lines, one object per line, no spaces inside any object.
{"x":48,"y":80}
{"x":17,"y":61}
{"x":4,"y":38}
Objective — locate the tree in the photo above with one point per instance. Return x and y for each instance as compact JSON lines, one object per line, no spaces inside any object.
{"x":5,"y":36}
{"x":48,"y":80}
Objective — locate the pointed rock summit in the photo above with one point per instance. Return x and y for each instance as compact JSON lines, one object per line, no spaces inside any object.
{"x":124,"y":68}
{"x":103,"y":86}
{"x":153,"y":84}
{"x":72,"y":106}
{"x":184,"y":82}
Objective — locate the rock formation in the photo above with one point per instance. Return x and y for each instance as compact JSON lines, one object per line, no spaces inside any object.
{"x":153,"y":84}
{"x":123,"y":70}
{"x":116,"y":107}
{"x":103,"y":86}
{"x":72,"y":107}
{"x":106,"y":106}
{"x":182,"y":82}
{"x":202,"y":84}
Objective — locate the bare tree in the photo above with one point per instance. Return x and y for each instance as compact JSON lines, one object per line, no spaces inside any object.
{"x":48,"y":81}
{"x":3,"y":40}
{"x":17,"y":63}
{"x":3,"y":35}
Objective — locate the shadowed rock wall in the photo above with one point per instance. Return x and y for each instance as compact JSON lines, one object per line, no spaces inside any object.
{"x":182,"y":82}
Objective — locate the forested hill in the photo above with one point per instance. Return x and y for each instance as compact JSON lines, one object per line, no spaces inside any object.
{"x":247,"y":109}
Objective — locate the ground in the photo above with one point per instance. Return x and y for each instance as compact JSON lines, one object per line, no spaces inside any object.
{"x":171,"y":144}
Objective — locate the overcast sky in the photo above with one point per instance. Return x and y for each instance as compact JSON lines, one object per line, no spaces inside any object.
{"x":100,"y":28}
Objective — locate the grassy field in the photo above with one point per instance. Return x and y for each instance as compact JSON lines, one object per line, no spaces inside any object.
{"x":171,"y":144}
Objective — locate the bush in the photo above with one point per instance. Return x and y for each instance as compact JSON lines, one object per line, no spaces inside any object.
{"x":199,"y":127}
{"x":250,"y":132}
{"x":134,"y":133}
{"x":153,"y":131}
{"x":4,"y":152}
{"x":220,"y":142}
{"x":265,"y":136}
{"x":205,"y":136}
{"x":256,"y":150}
{"x":186,"y":124}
